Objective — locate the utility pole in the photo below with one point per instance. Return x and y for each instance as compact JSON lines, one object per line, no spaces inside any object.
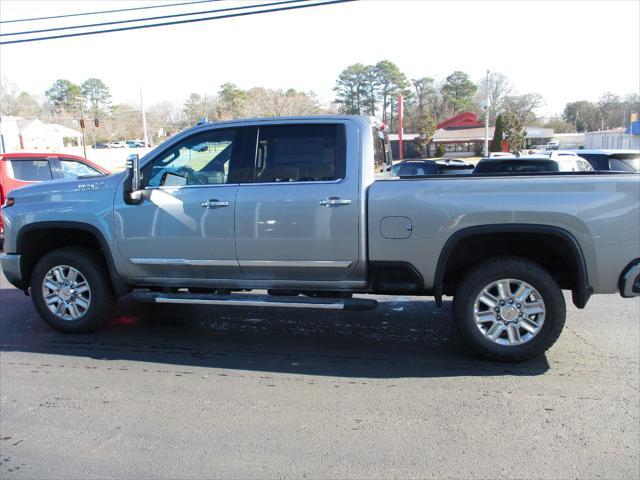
{"x":486,"y":118}
{"x":84,"y":143}
{"x":144,"y":121}
{"x":400,"y":113}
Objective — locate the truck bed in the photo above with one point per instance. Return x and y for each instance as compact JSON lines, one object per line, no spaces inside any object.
{"x":410,"y":220}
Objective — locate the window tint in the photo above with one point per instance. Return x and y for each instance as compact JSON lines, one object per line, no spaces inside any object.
{"x":207,"y":158}
{"x":30,"y":170}
{"x":75,"y":169}
{"x":412,"y":169}
{"x":626,"y":162}
{"x":300,"y":153}
{"x":516,"y":166}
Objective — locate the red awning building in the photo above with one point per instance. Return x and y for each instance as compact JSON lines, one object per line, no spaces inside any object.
{"x":462,"y":135}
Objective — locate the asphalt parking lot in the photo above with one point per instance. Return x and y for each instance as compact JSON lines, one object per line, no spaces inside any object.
{"x":177,"y":392}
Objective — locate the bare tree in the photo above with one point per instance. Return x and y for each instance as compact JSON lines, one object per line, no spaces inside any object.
{"x":522,"y":106}
{"x":263,"y":102}
{"x":499,"y":87}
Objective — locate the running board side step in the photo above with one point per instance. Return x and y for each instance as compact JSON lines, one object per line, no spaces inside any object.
{"x":251,"y":300}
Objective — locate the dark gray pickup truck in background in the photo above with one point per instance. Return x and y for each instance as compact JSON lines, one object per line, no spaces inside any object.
{"x":294,"y":206}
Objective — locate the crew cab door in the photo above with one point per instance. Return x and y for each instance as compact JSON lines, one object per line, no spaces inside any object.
{"x":184,"y":227}
{"x":299,"y":219}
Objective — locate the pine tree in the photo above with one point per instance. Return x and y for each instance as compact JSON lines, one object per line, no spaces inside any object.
{"x":498,"y":136}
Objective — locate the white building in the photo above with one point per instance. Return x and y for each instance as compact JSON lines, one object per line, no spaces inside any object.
{"x":33,"y":134}
{"x":611,"y":139}
{"x":569,"y":141}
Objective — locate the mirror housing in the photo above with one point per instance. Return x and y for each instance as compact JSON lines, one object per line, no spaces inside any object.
{"x":131,"y":188}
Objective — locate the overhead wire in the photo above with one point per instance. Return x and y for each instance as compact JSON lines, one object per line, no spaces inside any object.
{"x":161,"y":17}
{"x":179,"y":22}
{"x":106,"y":11}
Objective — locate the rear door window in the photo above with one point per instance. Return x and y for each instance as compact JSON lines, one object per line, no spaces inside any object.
{"x":300,"y":153}
{"x":30,"y":169}
{"x":75,"y":169}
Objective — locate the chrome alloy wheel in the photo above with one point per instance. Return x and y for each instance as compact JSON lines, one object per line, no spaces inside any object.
{"x":509,"y":312}
{"x":66,"y":292}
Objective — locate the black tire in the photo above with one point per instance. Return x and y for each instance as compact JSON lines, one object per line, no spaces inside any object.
{"x":91,"y":265}
{"x":496,"y":269}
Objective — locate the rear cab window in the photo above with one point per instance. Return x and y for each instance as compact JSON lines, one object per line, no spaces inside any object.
{"x":29,"y":169}
{"x":300,"y":153}
{"x":382,"y":158}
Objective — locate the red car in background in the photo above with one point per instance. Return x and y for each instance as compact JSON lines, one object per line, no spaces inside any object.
{"x":20,"y":169}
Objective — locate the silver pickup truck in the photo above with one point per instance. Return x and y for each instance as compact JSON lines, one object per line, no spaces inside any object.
{"x":295,"y":206}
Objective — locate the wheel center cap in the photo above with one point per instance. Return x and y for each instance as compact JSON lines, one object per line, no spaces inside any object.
{"x":509,"y":313}
{"x":65,"y":293}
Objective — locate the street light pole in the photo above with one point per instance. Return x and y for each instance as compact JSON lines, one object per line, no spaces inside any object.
{"x":144,"y":121}
{"x":486,"y":118}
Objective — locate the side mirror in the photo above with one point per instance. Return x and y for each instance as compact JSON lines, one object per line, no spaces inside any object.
{"x":131,"y":189}
{"x":170,"y":179}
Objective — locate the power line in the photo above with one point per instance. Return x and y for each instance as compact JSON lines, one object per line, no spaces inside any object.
{"x":115,"y":22}
{"x":178,"y":22}
{"x":107,"y":11}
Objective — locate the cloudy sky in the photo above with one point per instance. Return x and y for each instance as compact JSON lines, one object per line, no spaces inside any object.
{"x":564,"y":50}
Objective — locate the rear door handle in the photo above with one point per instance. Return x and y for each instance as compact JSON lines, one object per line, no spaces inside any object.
{"x":214,"y":203}
{"x":335,"y":202}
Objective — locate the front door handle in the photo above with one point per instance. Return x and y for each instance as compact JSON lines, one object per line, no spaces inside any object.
{"x":335,"y":202}
{"x":214,"y":203}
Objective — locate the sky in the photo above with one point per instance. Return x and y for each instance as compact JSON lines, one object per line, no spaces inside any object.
{"x":564,"y":50}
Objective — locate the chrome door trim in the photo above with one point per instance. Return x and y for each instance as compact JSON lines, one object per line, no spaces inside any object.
{"x":184,"y":261}
{"x":244,"y":263}
{"x":297,"y":263}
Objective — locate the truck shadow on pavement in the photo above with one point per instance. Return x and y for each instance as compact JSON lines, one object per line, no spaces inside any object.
{"x":404,"y":337}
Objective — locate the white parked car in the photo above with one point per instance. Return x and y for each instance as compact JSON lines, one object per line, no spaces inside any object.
{"x":117,"y":145}
{"x":500,"y":154}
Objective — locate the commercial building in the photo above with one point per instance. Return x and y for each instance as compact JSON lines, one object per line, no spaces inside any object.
{"x":462,"y":136}
{"x":617,"y":138}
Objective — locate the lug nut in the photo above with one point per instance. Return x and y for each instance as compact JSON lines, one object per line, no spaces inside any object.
{"x":518,"y":305}
{"x":510,"y":301}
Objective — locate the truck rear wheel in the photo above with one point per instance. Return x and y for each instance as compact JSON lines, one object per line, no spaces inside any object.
{"x":71,"y":290}
{"x":509,"y":309}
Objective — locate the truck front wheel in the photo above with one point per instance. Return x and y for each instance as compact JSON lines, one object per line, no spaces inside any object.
{"x":71,"y":290}
{"x":509,"y":309}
